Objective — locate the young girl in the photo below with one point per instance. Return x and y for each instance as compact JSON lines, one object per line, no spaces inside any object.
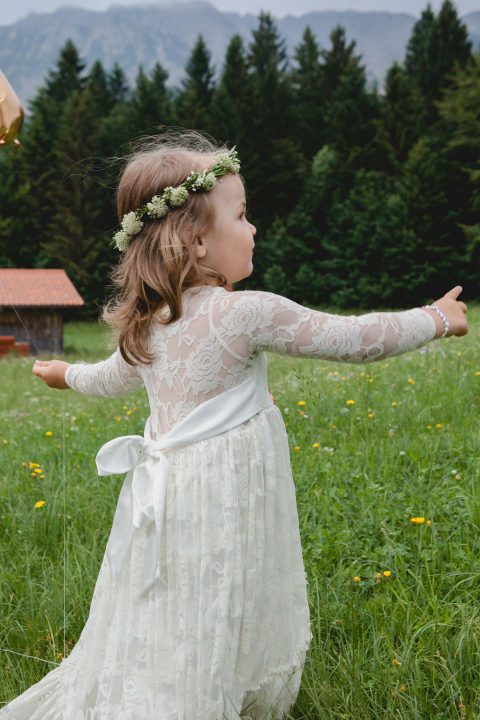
{"x":200,"y":608}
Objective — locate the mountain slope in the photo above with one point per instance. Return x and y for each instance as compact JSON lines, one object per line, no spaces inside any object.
{"x":146,"y":34}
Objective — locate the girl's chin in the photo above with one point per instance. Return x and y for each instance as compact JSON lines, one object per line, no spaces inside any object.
{"x":239,"y":278}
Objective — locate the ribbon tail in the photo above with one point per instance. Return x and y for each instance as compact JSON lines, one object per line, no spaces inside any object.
{"x":122,"y":530}
{"x":158,"y":470}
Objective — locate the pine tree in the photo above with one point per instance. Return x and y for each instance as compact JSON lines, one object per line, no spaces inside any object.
{"x":230,"y":110}
{"x":97,"y":86}
{"x":274,"y":163}
{"x":75,"y":241}
{"x":194,"y":100}
{"x":351,"y":112}
{"x":38,"y":162}
{"x":401,"y":112}
{"x":117,"y":84}
{"x":306,"y":79}
{"x":17,"y":246}
{"x":417,"y":59}
{"x":370,"y":248}
{"x":150,"y":104}
{"x":67,"y":78}
{"x":438,"y":46}
{"x":454,"y":49}
{"x":268,"y":63}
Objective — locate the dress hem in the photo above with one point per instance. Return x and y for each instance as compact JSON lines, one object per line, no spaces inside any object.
{"x":291,"y":665}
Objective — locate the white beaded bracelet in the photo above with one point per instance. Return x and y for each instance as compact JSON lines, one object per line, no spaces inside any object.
{"x":446,"y":324}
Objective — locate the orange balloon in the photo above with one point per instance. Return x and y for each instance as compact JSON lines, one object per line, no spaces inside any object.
{"x":11,"y":113}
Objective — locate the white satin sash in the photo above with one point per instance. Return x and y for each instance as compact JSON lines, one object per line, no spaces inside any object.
{"x":142,"y":497}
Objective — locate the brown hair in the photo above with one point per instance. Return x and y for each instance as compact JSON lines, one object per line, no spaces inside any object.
{"x":160,"y":262}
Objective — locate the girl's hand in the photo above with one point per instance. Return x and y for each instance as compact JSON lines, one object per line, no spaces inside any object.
{"x":455,"y":310}
{"x":52,"y":372}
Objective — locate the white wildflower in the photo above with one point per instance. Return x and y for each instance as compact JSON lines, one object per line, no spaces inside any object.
{"x":157,"y":208}
{"x":131,"y":224}
{"x":122,"y":240}
{"x":178,"y":196}
{"x":209,"y":181}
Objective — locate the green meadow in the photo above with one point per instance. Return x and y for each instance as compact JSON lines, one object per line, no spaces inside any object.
{"x":385,"y":458}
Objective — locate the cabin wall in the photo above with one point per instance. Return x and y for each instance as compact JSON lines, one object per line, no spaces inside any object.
{"x":44,"y":326}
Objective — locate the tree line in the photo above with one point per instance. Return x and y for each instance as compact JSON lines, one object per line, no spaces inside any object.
{"x":360,"y":197}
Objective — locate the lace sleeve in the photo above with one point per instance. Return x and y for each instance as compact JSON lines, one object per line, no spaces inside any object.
{"x":112,"y":376}
{"x":252,"y":321}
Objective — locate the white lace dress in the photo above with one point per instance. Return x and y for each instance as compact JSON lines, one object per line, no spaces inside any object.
{"x":226,"y":628}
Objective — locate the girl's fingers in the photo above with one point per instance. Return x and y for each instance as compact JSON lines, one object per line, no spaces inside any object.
{"x":454,"y":292}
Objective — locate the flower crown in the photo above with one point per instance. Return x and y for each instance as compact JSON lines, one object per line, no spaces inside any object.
{"x":173,"y":197}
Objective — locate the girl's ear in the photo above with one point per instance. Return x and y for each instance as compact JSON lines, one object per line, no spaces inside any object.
{"x":200,"y":246}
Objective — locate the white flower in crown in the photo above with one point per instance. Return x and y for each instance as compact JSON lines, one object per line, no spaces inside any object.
{"x":229,"y":164}
{"x":157,"y":208}
{"x":178,"y":196}
{"x":122,"y":240}
{"x":209,"y":181}
{"x":131,"y":224}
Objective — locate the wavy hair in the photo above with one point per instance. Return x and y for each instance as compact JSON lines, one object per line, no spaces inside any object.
{"x":160,"y":262}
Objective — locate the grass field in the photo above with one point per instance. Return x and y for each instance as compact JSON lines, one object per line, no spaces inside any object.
{"x":395,"y":603}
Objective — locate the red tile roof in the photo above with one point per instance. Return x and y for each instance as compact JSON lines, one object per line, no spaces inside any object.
{"x":37,"y":288}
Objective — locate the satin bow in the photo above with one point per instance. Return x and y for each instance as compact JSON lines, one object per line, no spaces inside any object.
{"x":141,"y":501}
{"x":143,"y":495}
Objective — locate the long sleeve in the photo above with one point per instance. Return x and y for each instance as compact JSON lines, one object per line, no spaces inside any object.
{"x":251,"y":321}
{"x":112,"y":376}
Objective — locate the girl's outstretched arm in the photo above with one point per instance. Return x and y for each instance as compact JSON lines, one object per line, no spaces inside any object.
{"x":112,"y":376}
{"x":251,"y":321}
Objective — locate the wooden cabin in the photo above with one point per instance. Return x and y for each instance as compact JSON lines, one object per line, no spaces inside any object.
{"x":31,"y":305}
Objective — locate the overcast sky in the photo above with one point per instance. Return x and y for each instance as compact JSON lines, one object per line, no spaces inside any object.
{"x":10,"y":10}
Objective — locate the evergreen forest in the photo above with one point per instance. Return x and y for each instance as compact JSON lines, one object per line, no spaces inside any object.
{"x":361,"y":198}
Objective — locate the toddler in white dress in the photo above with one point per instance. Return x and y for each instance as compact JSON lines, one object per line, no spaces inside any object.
{"x":200,"y":608}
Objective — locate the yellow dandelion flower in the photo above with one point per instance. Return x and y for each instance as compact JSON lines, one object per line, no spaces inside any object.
{"x":371,"y":415}
{"x":387,"y":573}
{"x":42,"y":477}
{"x":356,"y":578}
{"x":477,"y":373}
{"x":129,"y":412}
{"x":411,"y":381}
{"x":40,"y":503}
{"x":316,"y":445}
{"x":49,"y":433}
{"x":33,"y":474}
{"x":297,"y":448}
{"x":117,"y":418}
{"x":37,"y":470}
{"x":334,"y":427}
{"x":24,"y":465}
{"x":439,"y":426}
{"x":417,"y":520}
{"x":5,"y":442}
{"x":350,"y":402}
{"x":301,"y":402}
{"x":394,"y":404}
{"x":429,"y":522}
{"x":370,"y":380}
